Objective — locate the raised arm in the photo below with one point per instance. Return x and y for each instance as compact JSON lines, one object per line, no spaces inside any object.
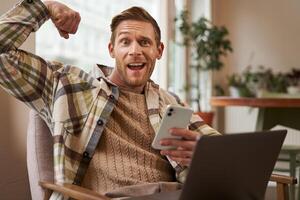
{"x":26,"y":76}
{"x":65,"y":19}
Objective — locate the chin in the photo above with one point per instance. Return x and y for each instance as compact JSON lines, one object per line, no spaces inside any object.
{"x":136,"y":83}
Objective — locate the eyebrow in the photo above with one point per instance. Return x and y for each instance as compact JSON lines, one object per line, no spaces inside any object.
{"x":123,"y":32}
{"x":146,"y":38}
{"x":127,"y":32}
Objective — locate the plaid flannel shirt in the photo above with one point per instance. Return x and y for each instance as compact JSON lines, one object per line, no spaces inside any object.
{"x":74,"y":104}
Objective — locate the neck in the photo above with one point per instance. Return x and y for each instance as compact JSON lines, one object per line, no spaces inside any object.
{"x":135,"y":90}
{"x":123,"y":86}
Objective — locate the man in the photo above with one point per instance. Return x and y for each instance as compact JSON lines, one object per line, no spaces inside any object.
{"x":102,"y":124}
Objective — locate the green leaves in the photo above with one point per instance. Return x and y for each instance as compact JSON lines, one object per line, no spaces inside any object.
{"x":250,"y":81}
{"x":209,"y":41}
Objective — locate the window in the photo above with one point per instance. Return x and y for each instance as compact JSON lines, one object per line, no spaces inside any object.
{"x":180,"y":75}
{"x":89,"y":45}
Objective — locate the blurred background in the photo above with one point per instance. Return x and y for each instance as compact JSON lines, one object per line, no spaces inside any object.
{"x":261,"y":32}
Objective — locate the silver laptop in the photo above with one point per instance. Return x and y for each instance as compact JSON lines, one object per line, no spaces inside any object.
{"x":229,"y":167}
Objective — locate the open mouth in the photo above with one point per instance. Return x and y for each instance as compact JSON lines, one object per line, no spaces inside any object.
{"x":136,"y":66}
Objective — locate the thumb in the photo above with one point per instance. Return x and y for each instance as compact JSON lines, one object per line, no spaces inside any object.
{"x":63,"y":34}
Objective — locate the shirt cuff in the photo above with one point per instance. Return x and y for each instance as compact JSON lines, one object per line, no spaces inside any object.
{"x":34,"y":11}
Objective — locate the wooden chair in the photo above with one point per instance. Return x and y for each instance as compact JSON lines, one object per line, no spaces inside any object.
{"x":282,"y":185}
{"x":290,"y":154}
{"x":40,"y":165}
{"x":73,"y":191}
{"x":76,"y":192}
{"x":40,"y":162}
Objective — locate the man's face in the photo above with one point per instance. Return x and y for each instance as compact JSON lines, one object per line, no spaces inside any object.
{"x":135,"y":51}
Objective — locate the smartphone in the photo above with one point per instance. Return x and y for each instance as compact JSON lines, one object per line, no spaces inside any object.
{"x":174,"y":117}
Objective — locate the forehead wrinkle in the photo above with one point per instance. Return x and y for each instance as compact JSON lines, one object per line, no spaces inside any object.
{"x":130,"y":27}
{"x":123,"y":33}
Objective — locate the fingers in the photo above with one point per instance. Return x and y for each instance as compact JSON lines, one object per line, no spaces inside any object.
{"x":70,"y":23}
{"x":185,"y":133}
{"x":183,"y":158}
{"x":176,"y":153}
{"x":76,"y":21}
{"x":63,"y":34}
{"x":184,"y":147}
{"x":185,"y":144}
{"x":182,"y":161}
{"x":64,"y":18}
{"x":188,"y":139}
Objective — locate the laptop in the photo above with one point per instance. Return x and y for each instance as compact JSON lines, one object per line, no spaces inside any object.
{"x":229,"y":167}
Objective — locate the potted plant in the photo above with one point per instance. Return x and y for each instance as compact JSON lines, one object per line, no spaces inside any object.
{"x":238,"y":87}
{"x":234,"y":83}
{"x":262,"y":82}
{"x":209,"y":44}
{"x":293,"y":79}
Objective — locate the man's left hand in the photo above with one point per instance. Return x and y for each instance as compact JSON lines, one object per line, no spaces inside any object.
{"x":184,"y":147}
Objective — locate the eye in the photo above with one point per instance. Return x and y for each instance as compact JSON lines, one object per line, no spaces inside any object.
{"x":124,"y":41}
{"x":145,"y":42}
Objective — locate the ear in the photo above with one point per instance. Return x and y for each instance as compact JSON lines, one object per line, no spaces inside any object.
{"x":111,"y":50}
{"x":160,"y":49}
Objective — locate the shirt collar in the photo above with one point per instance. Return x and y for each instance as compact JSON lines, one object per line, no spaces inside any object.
{"x":102,"y":72}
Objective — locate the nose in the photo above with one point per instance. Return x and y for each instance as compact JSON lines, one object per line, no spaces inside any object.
{"x":135,"y":49}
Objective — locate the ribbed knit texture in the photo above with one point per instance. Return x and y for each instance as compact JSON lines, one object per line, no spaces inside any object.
{"x":124,"y":155}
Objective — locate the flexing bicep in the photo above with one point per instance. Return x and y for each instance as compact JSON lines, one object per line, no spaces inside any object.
{"x":29,"y":78}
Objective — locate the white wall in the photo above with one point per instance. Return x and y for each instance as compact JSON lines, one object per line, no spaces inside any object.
{"x":263,"y":32}
{"x":13,"y":123}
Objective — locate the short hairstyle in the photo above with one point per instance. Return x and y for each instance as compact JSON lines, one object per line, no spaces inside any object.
{"x":134,"y":13}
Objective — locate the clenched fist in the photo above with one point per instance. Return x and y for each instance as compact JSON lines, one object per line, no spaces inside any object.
{"x":64,"y":18}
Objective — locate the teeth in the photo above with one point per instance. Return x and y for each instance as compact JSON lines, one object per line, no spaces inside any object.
{"x":136,"y":64}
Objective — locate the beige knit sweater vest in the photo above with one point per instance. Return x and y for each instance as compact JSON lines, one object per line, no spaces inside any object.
{"x":124,"y":155}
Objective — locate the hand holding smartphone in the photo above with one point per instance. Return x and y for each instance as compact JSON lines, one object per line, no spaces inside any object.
{"x":174,"y":117}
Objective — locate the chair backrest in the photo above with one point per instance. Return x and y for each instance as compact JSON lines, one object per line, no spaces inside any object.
{"x":39,"y":154}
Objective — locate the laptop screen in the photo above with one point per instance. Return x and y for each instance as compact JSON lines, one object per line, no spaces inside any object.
{"x":233,"y":166}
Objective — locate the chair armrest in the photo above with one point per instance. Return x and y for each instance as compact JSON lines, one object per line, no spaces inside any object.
{"x":282,"y":185}
{"x":283,"y":179}
{"x":73,"y":191}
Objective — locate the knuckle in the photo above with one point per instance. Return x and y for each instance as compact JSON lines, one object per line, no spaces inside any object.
{"x":58,"y":16}
{"x":60,"y":22}
{"x":72,"y":31}
{"x":74,"y":15}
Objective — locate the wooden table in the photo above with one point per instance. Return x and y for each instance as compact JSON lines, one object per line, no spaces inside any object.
{"x":273,"y":111}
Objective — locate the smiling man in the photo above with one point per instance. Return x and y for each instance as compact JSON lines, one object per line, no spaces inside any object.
{"x":135,"y":45}
{"x":102,"y":123}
